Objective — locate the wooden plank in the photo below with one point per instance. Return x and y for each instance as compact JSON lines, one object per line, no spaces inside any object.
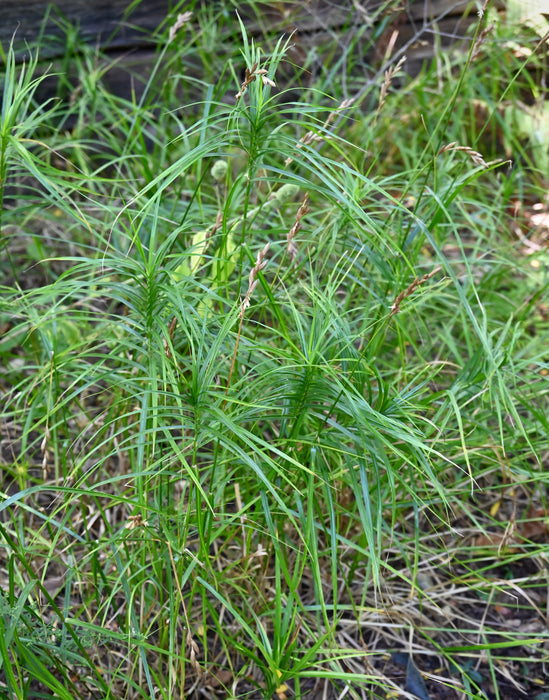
{"x":97,"y":21}
{"x":129,"y":39}
{"x":109,"y":22}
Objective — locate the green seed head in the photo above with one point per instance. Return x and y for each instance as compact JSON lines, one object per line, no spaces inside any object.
{"x":285,"y":193}
{"x":219,"y":170}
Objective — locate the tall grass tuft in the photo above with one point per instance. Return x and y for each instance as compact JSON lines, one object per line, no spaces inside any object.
{"x":273,"y":378}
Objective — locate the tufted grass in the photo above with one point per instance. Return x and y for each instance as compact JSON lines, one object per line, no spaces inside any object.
{"x":274,"y":374}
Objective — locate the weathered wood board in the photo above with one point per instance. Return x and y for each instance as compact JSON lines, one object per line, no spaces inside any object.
{"x":127,"y":30}
{"x":107,"y":22}
{"x":121,"y":24}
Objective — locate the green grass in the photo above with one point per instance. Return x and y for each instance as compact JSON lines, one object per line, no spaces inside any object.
{"x":274,"y":376}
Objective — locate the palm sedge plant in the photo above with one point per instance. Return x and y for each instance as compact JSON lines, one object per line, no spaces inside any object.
{"x":245,"y":408}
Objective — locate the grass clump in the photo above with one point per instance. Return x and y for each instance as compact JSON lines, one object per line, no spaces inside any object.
{"x":274,"y":382}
